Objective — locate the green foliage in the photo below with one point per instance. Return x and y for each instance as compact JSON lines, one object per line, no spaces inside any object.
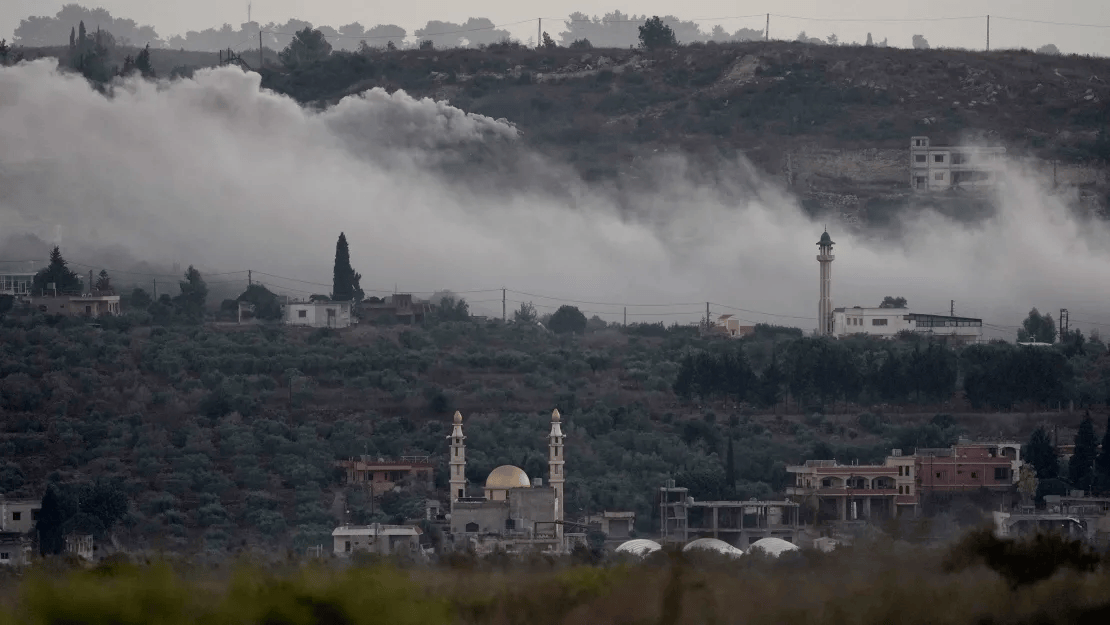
{"x":57,"y":273}
{"x":189,"y":305}
{"x":451,"y":309}
{"x":526,"y":314}
{"x":893,"y":302}
{"x":548,"y":42}
{"x":581,"y":44}
{"x":1040,"y":453}
{"x":307,"y":47}
{"x":1021,"y":562}
{"x":1081,"y":463}
{"x":654,"y":34}
{"x":567,"y":319}
{"x":1038,"y":328}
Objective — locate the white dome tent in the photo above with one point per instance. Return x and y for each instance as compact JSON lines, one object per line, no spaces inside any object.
{"x":639,"y":547}
{"x":772,"y":546}
{"x":713,"y":544}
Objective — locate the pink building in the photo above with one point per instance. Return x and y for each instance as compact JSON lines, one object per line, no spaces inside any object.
{"x":898,"y":486}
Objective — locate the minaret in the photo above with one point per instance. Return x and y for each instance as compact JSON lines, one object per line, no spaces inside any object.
{"x":825,"y":306}
{"x":555,"y":470}
{"x":458,"y":461}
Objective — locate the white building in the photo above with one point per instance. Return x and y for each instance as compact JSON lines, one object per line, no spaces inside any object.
{"x":16,"y":284}
{"x":938,"y":168}
{"x":888,"y":322}
{"x":317,"y":314}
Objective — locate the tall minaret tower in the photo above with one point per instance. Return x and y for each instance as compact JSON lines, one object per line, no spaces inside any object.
{"x":458,"y":461}
{"x":555,"y":469}
{"x":825,"y":306}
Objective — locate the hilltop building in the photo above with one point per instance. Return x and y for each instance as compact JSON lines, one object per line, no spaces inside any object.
{"x":898,"y":487}
{"x":939,"y":168}
{"x":399,"y":308}
{"x":16,"y":284}
{"x":888,"y":322}
{"x":319,"y":314}
{"x":513,"y":512}
{"x":382,"y":475}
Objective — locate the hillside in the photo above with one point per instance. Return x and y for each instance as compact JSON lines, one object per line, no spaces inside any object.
{"x":831,"y":122}
{"x":223,"y":437}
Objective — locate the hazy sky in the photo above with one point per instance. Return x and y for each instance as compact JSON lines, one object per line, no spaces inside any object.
{"x":171,"y":17}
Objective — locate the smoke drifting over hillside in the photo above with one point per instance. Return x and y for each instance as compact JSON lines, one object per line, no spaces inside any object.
{"x":215,"y":172}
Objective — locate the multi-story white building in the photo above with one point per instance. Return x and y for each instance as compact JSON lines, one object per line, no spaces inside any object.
{"x":937,"y":168}
{"x":888,"y":322}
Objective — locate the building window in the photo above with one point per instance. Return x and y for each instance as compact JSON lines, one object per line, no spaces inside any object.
{"x":974,"y":475}
{"x":899,"y":471}
{"x":5,"y":556}
{"x":939,"y":474}
{"x":471,"y":527}
{"x":302,"y":313}
{"x":460,"y":493}
{"x":939,"y":175}
{"x":826,"y":483}
{"x":878,"y":322}
{"x":17,"y":516}
{"x":347,"y":546}
{"x":1002,"y":473}
{"x":938,"y":158}
{"x":920,"y":158}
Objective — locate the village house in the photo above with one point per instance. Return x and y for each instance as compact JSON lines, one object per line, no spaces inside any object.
{"x":730,"y":325}
{"x":318,"y":314}
{"x":381,"y":475}
{"x":94,"y":304}
{"x":398,"y":308}
{"x":16,"y":284}
{"x":888,"y":322}
{"x":379,"y":539}
{"x":851,"y":492}
{"x":940,"y":168}
{"x":19,"y":515}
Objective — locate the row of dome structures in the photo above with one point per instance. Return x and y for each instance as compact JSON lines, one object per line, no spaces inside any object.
{"x":774,"y":547}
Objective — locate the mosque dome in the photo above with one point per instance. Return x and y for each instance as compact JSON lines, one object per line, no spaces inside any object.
{"x":639,"y":547}
{"x":507,"y":476}
{"x":825,"y":239}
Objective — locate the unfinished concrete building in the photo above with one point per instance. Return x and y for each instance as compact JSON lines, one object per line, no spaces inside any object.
{"x":738,"y":523}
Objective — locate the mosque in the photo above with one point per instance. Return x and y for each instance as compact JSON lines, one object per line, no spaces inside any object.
{"x":513,"y":511}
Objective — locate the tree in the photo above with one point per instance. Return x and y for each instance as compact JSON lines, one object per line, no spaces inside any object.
{"x":103,"y":282}
{"x":58,"y":274}
{"x":581,"y":44}
{"x":548,"y":42}
{"x":654,"y":34}
{"x":526,"y":314}
{"x":308,"y":46}
{"x":1037,"y":328}
{"x":139,"y":300}
{"x":1102,"y":461}
{"x":1081,"y":464}
{"x":870,"y":42}
{"x":451,"y":309}
{"x":190,"y":303}
{"x":345,"y":280}
{"x":730,"y":466}
{"x":567,"y":319}
{"x":920,"y":43}
{"x":142,"y":63}
{"x":893,"y":302}
{"x":1040,"y":453}
{"x":265,"y":303}
{"x":57,"y":507}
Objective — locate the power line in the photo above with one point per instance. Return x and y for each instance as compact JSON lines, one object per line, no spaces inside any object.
{"x":1018,"y":19}
{"x":869,"y":20}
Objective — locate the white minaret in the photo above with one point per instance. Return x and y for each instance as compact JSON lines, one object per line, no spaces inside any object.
{"x":825,"y":306}
{"x":555,"y":469}
{"x":458,"y":461}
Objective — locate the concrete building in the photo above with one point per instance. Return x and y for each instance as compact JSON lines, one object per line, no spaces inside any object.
{"x":380,"y":539}
{"x":939,"y":168}
{"x":15,"y":549}
{"x":19,"y":515}
{"x":317,"y":314}
{"x":899,"y":486}
{"x":615,"y":525}
{"x":824,"y":305}
{"x":730,"y":325}
{"x":738,"y":523}
{"x":888,"y":322}
{"x":399,"y":308}
{"x":513,"y":511}
{"x":16,"y":284}
{"x":95,"y":304}
{"x":381,"y":475}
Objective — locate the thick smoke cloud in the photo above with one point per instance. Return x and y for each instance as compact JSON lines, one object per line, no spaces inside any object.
{"x":218,"y":173}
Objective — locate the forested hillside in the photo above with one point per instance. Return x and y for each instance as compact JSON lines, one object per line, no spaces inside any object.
{"x":222,"y":437}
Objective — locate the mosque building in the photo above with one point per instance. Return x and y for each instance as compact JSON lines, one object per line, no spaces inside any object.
{"x":513,"y":511}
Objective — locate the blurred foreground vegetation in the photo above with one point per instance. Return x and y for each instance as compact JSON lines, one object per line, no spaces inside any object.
{"x":977,"y":580}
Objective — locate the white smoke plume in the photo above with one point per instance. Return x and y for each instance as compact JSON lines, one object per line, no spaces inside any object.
{"x":218,"y":173}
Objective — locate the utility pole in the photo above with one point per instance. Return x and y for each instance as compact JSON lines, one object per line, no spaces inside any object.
{"x":767,"y":32}
{"x":952,"y":308}
{"x":988,"y":33}
{"x":626,"y":316}
{"x":504,"y":316}
{"x":1065,"y":324}
{"x":539,"y":32}
{"x":260,"y":50}
{"x":250,"y":279}
{"x":156,"y":289}
{"x":707,"y":316}
{"x":90,"y":281}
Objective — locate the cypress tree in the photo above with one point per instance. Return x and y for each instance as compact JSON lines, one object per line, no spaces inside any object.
{"x":345,"y":280}
{"x":1102,"y":461}
{"x":1086,"y":449}
{"x":1039,"y":453}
